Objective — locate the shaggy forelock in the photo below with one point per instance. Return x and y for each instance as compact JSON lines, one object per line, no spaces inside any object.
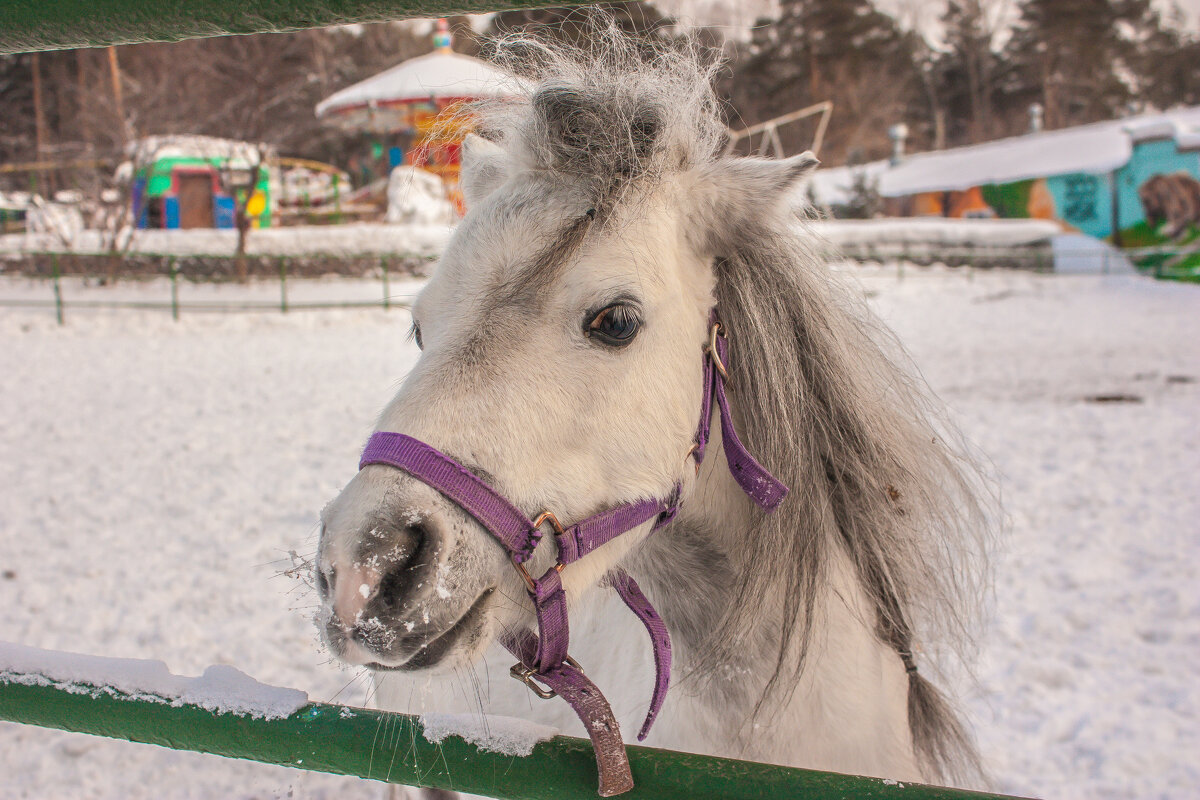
{"x":607,"y":113}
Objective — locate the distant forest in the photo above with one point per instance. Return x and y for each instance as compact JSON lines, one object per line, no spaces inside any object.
{"x":1080,"y":60}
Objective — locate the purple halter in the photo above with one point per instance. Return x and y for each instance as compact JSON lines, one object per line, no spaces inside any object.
{"x":543,"y":657}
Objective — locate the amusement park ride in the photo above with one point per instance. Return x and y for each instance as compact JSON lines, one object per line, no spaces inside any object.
{"x":411,"y":110}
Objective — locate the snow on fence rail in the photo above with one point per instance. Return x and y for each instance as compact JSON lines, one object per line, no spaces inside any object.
{"x":227,"y":713}
{"x":29,"y":25}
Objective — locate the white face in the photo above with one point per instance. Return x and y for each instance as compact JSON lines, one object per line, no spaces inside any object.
{"x":570,"y":390}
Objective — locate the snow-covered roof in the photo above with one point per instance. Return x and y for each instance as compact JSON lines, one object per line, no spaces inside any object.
{"x":1097,"y":148}
{"x":442,"y":74}
{"x":244,"y":154}
{"x":835,"y":186}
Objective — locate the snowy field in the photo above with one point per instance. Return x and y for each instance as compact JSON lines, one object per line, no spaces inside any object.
{"x":349,"y":239}
{"x":154,"y":476}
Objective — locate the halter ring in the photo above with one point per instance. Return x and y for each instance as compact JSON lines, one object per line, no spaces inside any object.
{"x":529,"y":581}
{"x":548,"y":516}
{"x":544,"y":517}
{"x":716,"y":331}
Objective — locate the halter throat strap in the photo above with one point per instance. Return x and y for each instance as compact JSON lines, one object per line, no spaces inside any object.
{"x":543,"y":659}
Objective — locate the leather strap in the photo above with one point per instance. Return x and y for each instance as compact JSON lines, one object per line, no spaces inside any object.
{"x":593,"y":710}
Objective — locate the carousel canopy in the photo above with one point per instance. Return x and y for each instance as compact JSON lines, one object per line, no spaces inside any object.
{"x":436,"y":78}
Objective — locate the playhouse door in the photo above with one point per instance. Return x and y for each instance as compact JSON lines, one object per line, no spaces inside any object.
{"x":195,"y":201}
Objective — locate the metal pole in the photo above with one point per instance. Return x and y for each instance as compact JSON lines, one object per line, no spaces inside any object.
{"x":58,"y":301}
{"x":283,"y":303}
{"x":392,"y":747}
{"x":387,"y":293}
{"x":174,"y":287}
{"x":337,"y":200}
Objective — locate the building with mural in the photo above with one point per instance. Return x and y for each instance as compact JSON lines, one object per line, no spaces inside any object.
{"x":1132,"y":182}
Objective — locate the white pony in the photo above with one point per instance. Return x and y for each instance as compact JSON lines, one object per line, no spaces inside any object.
{"x":563,"y":333}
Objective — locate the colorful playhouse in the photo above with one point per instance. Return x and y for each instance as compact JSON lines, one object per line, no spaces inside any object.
{"x":197,"y":182}
{"x":407,"y":112}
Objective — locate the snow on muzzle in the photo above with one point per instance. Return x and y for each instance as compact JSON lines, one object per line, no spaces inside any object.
{"x":407,"y":579}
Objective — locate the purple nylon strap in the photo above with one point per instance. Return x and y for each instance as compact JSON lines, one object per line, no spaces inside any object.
{"x":761,"y":486}
{"x":585,"y":536}
{"x":660,"y":641}
{"x":550,"y":607}
{"x":545,"y":655}
{"x":491,"y":509}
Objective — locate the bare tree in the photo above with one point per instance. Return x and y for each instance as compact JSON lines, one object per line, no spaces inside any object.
{"x":240,"y":173}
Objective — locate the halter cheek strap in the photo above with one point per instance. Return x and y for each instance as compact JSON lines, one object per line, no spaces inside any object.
{"x":542,"y":659}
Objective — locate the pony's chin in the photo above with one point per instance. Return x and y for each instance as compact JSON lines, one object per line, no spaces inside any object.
{"x":460,"y":645}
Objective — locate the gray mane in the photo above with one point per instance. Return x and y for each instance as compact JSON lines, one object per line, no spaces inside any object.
{"x":823,"y":395}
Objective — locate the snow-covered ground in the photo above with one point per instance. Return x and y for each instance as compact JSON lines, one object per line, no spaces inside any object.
{"x":155,"y":474}
{"x":208,"y":297}
{"x":349,"y":239}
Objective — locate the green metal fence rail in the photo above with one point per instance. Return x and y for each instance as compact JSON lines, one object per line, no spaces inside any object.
{"x":391,"y":748}
{"x":29,"y":25}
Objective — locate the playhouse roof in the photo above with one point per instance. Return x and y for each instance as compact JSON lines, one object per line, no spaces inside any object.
{"x":209,"y":148}
{"x":1097,"y":148}
{"x":440,"y":75}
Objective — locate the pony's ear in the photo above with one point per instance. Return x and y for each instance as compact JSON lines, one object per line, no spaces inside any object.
{"x":484,"y":167}
{"x":731,"y":192}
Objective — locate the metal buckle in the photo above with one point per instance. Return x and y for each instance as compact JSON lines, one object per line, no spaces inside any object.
{"x":716,"y":331}
{"x":528,"y":677}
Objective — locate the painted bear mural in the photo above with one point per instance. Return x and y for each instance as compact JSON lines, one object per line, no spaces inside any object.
{"x":1172,"y":203}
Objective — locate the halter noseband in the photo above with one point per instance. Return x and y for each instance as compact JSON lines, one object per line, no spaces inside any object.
{"x":543,"y":657}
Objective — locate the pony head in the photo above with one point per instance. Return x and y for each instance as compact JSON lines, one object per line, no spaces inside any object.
{"x":562,"y":337}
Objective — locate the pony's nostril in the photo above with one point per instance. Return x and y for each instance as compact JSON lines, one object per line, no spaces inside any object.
{"x":392,"y":587}
{"x":324,"y":582}
{"x":403,"y":576}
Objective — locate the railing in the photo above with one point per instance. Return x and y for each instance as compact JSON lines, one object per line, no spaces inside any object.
{"x":392,"y":748}
{"x":385,"y":268}
{"x":1172,"y":263}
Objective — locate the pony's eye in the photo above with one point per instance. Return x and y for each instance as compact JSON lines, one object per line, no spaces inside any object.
{"x":614,"y":325}
{"x":415,"y":335}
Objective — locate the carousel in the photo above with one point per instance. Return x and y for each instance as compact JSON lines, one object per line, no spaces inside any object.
{"x":408,"y":113}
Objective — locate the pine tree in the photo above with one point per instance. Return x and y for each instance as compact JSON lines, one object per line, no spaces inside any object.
{"x":841,"y":50}
{"x":1073,"y":56}
{"x":1166,"y":63}
{"x":966,"y":70}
